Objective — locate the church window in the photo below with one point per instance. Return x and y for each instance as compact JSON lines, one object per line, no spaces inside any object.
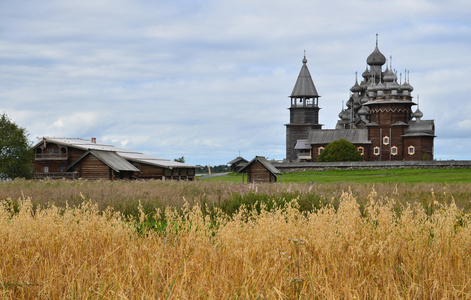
{"x":376,"y":151}
{"x":394,"y":150}
{"x":411,"y":150}
{"x":361,"y":150}
{"x":46,"y":169}
{"x":386,"y":140}
{"x":320,"y":150}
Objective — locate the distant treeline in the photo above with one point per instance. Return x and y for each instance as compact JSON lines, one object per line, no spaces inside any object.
{"x":214,"y":169}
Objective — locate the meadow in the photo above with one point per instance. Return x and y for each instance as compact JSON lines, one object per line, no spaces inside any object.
{"x":228,"y":240}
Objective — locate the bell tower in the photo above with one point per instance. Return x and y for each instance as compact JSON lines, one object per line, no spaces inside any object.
{"x":304,"y":111}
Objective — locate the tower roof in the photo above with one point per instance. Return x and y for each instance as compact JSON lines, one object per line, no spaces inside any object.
{"x":304,"y":86}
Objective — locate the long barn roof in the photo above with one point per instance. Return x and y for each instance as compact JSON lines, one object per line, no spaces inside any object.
{"x":88,"y":145}
{"x":325,"y":136}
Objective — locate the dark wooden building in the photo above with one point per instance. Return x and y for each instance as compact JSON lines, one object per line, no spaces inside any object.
{"x":78,"y":158}
{"x":260,"y":170}
{"x":378,"y":118}
{"x":102,"y":164}
{"x":237,"y":164}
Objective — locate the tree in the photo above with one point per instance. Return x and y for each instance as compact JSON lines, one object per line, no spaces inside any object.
{"x":16,"y":154}
{"x":341,"y":150}
{"x":180,"y":159}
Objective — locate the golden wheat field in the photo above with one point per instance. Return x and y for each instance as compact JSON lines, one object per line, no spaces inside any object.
{"x":343,"y":251}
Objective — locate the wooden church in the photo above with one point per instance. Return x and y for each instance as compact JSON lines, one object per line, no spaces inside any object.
{"x":378,"y":118}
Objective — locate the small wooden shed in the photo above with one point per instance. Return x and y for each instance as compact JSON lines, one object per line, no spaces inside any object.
{"x":260,"y":169}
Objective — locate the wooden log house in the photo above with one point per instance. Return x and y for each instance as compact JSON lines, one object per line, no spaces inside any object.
{"x":79,"y":158}
{"x":260,"y":170}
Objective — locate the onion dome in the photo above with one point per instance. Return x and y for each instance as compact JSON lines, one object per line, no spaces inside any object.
{"x":417,"y":114}
{"x":356,"y":87}
{"x":389,"y":75}
{"x":371,"y":87}
{"x":366,"y":74}
{"x":349,"y":103}
{"x":376,"y":58}
{"x":406,"y":86}
{"x":346,"y":115}
{"x":394,"y":85}
{"x":380,"y":86}
{"x":364,"y":99}
{"x":364,"y":110}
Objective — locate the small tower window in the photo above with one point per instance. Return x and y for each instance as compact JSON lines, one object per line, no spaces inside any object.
{"x":361,"y":150}
{"x":376,"y":151}
{"x":386,"y":140}
{"x":320,"y":150}
{"x":411,"y":150}
{"x":394,"y":150}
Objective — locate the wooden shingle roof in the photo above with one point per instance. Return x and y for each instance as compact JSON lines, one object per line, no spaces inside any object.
{"x":304,"y":86}
{"x":325,"y":136}
{"x":109,"y":158}
{"x":264,"y":162}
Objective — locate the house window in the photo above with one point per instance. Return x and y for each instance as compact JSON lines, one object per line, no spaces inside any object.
{"x":411,"y":150}
{"x":320,"y":150}
{"x":394,"y":150}
{"x":386,"y":140}
{"x":376,"y":151}
{"x":361,"y":150}
{"x":62,"y":168}
{"x":46,"y":169}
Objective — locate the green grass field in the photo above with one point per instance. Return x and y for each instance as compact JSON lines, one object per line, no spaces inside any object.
{"x":367,"y":176}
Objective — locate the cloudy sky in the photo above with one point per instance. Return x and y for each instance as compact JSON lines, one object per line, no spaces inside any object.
{"x":206,"y":79}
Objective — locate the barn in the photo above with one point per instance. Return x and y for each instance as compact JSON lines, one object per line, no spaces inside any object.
{"x":260,"y":169}
{"x":80,"y":158}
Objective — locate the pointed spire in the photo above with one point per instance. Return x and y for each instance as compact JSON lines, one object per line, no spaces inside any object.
{"x":304,"y":86}
{"x":376,"y":40}
{"x":390,"y":62}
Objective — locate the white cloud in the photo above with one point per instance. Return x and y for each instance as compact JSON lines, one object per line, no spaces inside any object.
{"x":207,"y":79}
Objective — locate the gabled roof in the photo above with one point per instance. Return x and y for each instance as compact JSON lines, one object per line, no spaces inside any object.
{"x":127,"y":154}
{"x":302,"y":145}
{"x":325,"y":136}
{"x":304,"y":86}
{"x":420,"y":128}
{"x":109,"y":158}
{"x":237,"y":160}
{"x":265,"y":163}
